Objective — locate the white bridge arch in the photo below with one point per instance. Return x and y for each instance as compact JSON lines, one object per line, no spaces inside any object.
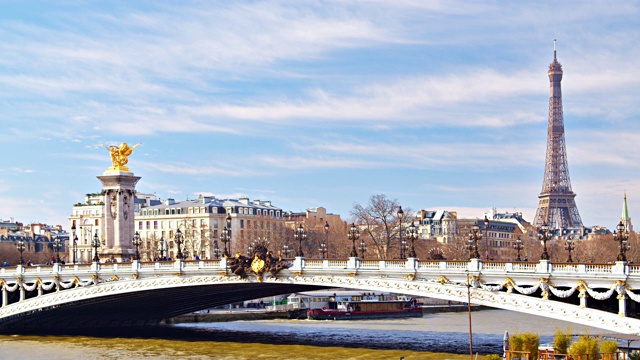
{"x":132,"y":294}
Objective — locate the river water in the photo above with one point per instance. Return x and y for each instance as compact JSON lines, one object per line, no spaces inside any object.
{"x":442,"y":336}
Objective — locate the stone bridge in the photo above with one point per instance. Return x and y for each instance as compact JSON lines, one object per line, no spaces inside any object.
{"x":50,"y":298}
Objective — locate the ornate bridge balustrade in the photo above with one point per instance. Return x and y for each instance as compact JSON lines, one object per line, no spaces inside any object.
{"x":145,"y":292}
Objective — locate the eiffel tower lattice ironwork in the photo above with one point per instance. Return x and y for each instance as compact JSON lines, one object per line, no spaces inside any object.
{"x":557,"y":206}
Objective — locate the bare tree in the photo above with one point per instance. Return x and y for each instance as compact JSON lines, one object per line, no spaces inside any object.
{"x":380,"y":224}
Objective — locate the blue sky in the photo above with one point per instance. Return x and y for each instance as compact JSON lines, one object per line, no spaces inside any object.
{"x":442,"y":105}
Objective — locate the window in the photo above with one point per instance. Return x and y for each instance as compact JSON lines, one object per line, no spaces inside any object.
{"x":241,"y":224}
{"x":97,"y":222}
{"x":155,"y":224}
{"x":140,"y":225}
{"x":215,"y":223}
{"x":148,"y":225}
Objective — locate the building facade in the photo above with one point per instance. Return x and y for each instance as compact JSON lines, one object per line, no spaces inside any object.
{"x":201,"y":222}
{"x":439,"y":225}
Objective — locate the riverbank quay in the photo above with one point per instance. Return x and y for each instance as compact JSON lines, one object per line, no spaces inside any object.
{"x":241,"y":314}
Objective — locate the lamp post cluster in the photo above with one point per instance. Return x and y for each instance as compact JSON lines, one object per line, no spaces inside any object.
{"x":300,"y":235}
{"x":353,"y":235}
{"x":363,"y":248}
{"x":225,"y":236}
{"x":518,"y":246}
{"x":57,"y":244}
{"x":162,"y":247}
{"x":412,"y":234}
{"x":286,"y":251}
{"x":544,"y":234}
{"x":179,"y":240}
{"x":20,"y":246}
{"x":136,"y":242}
{"x":474,"y":236}
{"x":403,"y":243}
{"x":621,"y":235}
{"x":75,"y":242}
{"x":486,"y":236}
{"x":95,"y":243}
{"x":216,"y":250}
{"x":323,"y":245}
{"x":570,"y":245}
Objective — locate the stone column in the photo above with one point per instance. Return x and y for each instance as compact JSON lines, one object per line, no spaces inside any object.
{"x":622,"y":305}
{"x":118,"y":225}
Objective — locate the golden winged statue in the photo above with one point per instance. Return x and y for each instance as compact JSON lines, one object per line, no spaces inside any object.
{"x":120,"y":156}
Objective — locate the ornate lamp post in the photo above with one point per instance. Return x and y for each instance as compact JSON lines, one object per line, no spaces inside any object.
{"x":225,"y":236}
{"x":518,"y":246}
{"x":323,"y":244}
{"x":474,"y":236}
{"x":300,"y":235}
{"x":353,"y":236}
{"x":75,"y":242}
{"x":95,"y":242}
{"x":20,"y":246}
{"x":412,"y":233}
{"x":162,"y":247}
{"x":57,"y":244}
{"x":363,"y":248}
{"x":323,"y":250}
{"x":570,"y":245}
{"x":622,"y":236}
{"x":179,"y":239}
{"x":544,"y":234}
{"x":403,"y":245}
{"x":136,"y":242}
{"x":216,"y":250}
{"x":486,"y":236}
{"x":286,"y":251}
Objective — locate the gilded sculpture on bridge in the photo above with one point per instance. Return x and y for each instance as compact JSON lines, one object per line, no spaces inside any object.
{"x":258,"y":262}
{"x":120,"y":156}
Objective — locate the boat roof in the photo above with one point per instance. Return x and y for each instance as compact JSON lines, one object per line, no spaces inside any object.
{"x":339,"y":293}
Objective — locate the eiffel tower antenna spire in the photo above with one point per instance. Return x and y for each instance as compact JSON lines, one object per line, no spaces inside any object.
{"x":557,"y":207}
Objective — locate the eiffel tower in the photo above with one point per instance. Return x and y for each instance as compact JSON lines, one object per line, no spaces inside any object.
{"x":557,"y":207}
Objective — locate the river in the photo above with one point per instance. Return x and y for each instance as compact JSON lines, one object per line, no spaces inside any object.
{"x":441,"y":336}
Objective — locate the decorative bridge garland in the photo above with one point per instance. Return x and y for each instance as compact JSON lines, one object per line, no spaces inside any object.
{"x":618,"y":286}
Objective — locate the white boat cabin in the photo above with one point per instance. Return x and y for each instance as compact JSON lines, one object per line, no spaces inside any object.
{"x":339,"y":299}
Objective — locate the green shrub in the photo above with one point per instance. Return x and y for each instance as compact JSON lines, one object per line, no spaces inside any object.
{"x":492,"y":357}
{"x":608,"y":348}
{"x":562,"y":340}
{"x":585,"y":345}
{"x":528,"y":342}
